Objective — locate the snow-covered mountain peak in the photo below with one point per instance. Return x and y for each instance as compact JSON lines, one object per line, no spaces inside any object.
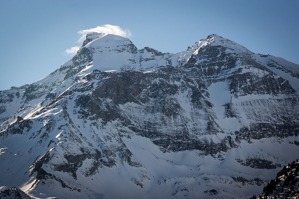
{"x":215,"y":37}
{"x":102,"y":40}
{"x":91,"y":36}
{"x":213,"y":47}
{"x":216,"y":40}
{"x":96,"y":39}
{"x":94,"y":35}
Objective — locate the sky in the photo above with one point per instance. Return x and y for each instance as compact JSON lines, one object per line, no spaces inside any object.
{"x":38,"y":36}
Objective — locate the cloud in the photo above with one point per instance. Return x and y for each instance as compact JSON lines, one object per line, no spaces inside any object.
{"x":72,"y":51}
{"x":108,"y":29}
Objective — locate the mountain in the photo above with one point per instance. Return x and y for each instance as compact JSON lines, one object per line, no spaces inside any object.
{"x":214,"y":121}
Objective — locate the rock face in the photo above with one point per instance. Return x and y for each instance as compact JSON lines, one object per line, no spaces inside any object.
{"x":117,"y":122}
{"x":285,"y":185}
{"x":13,"y":193}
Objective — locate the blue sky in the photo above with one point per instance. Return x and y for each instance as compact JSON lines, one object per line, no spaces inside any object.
{"x":34,"y":34}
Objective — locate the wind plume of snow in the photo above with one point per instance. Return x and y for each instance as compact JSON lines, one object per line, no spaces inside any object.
{"x":108,"y":29}
{"x":72,"y":51}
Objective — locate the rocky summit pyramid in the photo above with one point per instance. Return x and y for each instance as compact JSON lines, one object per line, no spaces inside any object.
{"x":214,"y":121}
